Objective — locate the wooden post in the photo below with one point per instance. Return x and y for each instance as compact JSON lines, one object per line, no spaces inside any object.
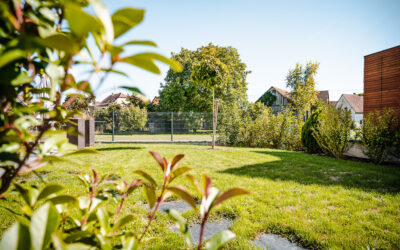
{"x":214,"y":125}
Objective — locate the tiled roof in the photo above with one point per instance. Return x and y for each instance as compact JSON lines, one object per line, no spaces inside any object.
{"x":112,"y":98}
{"x":323,"y":95}
{"x":284,"y":93}
{"x":333,"y":103}
{"x":356,"y":102}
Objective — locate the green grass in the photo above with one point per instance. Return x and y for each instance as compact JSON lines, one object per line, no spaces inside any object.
{"x":317,"y":201}
{"x":155,"y":137}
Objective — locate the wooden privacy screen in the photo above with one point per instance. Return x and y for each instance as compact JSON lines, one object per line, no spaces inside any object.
{"x":382,"y":80}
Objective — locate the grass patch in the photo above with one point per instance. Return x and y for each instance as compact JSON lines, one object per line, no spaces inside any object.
{"x":318,"y":201}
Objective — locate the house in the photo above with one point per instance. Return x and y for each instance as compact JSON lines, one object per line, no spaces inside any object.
{"x":382,"y":81}
{"x":355,"y":104}
{"x":278,"y":99}
{"x":117,"y":99}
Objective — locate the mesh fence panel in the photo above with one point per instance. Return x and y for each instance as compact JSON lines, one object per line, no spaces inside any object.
{"x":153,"y":126}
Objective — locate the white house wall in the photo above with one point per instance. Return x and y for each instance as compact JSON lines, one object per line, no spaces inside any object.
{"x":356,"y":117}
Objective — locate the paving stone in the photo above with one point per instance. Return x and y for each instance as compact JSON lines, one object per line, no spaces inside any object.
{"x":209,"y":230}
{"x":275,"y":242}
{"x":179,"y":206}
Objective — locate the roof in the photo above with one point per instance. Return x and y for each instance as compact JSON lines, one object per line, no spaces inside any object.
{"x":323,"y":95}
{"x":333,"y":103}
{"x":156,"y":100}
{"x":284,"y":93}
{"x":112,"y":98}
{"x":355,"y":101}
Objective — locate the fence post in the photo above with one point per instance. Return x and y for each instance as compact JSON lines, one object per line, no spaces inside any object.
{"x":172,"y":126}
{"x":113,"y":125}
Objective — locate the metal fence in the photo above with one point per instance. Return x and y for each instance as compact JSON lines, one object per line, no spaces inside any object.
{"x":125,"y":126}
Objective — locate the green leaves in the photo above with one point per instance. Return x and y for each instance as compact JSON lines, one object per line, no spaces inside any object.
{"x":183,"y":226}
{"x":150,"y":195}
{"x":219,"y":239}
{"x":125,"y":19}
{"x":80,"y":22}
{"x":229,"y":194}
{"x":10,"y":56}
{"x":60,"y":41}
{"x":178,"y":172}
{"x":184,"y":195}
{"x":49,"y":190}
{"x":16,"y":238}
{"x":44,"y":222}
{"x":147,"y":177}
{"x":146,"y":62}
{"x":104,"y":16}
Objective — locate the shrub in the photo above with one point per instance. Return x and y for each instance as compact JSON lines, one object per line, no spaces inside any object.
{"x":49,"y":220}
{"x":231,"y":119}
{"x":333,"y":131}
{"x":308,"y":140}
{"x":133,"y":117}
{"x":378,"y":134}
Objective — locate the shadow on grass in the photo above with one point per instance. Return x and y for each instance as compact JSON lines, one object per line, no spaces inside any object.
{"x":118,"y":148}
{"x":310,"y":169}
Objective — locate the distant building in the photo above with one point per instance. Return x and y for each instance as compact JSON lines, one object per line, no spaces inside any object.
{"x":117,"y":99}
{"x":354,"y":103}
{"x":282,"y":98}
{"x":382,"y":80}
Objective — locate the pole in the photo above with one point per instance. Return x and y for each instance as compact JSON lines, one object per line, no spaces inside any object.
{"x":113,"y":125}
{"x":213,"y":136}
{"x":172,"y":126}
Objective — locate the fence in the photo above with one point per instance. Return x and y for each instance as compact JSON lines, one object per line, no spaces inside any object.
{"x":142,"y":126}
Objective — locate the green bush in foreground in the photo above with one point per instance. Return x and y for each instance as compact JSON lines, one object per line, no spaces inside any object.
{"x":333,"y":131}
{"x":55,"y":221}
{"x":378,"y":134}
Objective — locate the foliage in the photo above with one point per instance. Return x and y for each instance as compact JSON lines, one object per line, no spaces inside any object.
{"x":57,"y":221}
{"x":333,"y":131}
{"x":267,"y":98}
{"x":378,"y":134}
{"x":138,"y":100}
{"x":203,"y":68}
{"x":132,"y":117}
{"x":301,"y":81}
{"x":51,"y":37}
{"x":81,"y":103}
{"x":232,"y":118}
{"x":308,"y":140}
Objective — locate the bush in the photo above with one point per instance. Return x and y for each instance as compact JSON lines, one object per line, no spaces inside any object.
{"x":333,"y":131}
{"x":231,"y":119}
{"x":378,"y":134}
{"x":308,"y":140}
{"x":133,"y":117}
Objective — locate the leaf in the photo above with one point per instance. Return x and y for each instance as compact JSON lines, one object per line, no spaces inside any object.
{"x":206,"y":185}
{"x":102,"y":13}
{"x":158,"y":159}
{"x":102,"y":216}
{"x":22,"y":78}
{"x":178,"y":172}
{"x":135,"y":42}
{"x":195,"y":184}
{"x":183,"y":226}
{"x":44,"y":222}
{"x":176,"y":159}
{"x":219,"y":239}
{"x":16,"y":238}
{"x":10,"y":56}
{"x":135,"y":184}
{"x":80,"y":22}
{"x":132,"y":89}
{"x":122,"y":222}
{"x":184,"y":195}
{"x":229,"y":194}
{"x":125,"y":19}
{"x":24,"y":193}
{"x":61,"y":245}
{"x":147,"y":177}
{"x":146,"y":62}
{"x":60,"y":41}
{"x":49,"y":190}
{"x":130,"y":243}
{"x":150,"y":195}
{"x":62,"y":199}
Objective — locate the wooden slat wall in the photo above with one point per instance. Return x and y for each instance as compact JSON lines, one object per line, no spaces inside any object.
{"x":382,"y":80}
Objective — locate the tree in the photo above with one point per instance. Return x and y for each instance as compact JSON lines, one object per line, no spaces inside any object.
{"x":137,"y":100}
{"x":188,"y":91}
{"x":133,"y":117}
{"x":267,"y":98}
{"x":81,"y":103}
{"x":301,"y":81}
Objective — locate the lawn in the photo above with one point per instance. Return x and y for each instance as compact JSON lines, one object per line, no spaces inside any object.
{"x":155,"y":137}
{"x":316,"y":201}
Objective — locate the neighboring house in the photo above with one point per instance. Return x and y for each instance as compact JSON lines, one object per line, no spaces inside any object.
{"x":354,"y":103}
{"x":117,"y":99}
{"x":382,"y":81}
{"x":282,"y":98}
{"x":333,"y":103}
{"x":156,"y":100}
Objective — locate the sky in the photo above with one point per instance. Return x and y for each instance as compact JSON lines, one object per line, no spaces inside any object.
{"x":270,"y":36}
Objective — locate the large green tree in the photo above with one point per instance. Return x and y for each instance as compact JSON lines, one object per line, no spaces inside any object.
{"x":301,"y":81}
{"x":216,"y":66}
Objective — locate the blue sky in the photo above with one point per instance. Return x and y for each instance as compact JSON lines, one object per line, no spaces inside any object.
{"x":271,"y":36}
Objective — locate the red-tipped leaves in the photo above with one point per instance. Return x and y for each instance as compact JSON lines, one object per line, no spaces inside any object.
{"x":176,"y":159}
{"x":147,"y":177}
{"x":94,"y":176}
{"x":183,"y":194}
{"x":229,"y":194}
{"x":195,"y":183}
{"x":178,"y":172}
{"x":158,"y":159}
{"x":206,"y":185}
